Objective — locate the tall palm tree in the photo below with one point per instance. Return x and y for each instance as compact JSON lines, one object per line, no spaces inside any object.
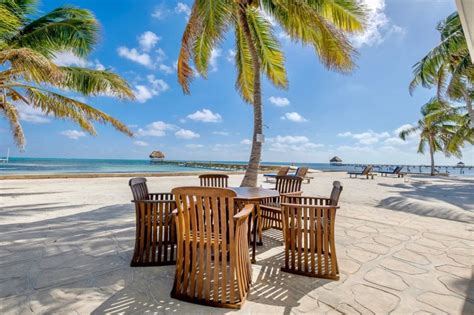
{"x":448,"y":66}
{"x":440,"y":129}
{"x":322,"y":24}
{"x":29,"y":75}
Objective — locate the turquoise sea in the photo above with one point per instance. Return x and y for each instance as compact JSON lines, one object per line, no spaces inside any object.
{"x":64,"y":166}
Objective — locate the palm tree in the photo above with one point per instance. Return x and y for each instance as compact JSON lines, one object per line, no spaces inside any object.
{"x":440,"y":129}
{"x":29,"y":75}
{"x":448,"y":66}
{"x":322,"y":24}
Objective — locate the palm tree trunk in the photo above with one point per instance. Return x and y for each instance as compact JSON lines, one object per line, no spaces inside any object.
{"x":251,"y":174}
{"x":432,"y":156}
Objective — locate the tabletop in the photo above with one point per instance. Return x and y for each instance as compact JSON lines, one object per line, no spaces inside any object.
{"x":254,"y":193}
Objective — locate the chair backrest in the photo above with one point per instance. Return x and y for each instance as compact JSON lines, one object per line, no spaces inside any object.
{"x":206,"y":248}
{"x":283,"y":170}
{"x":139,"y":188}
{"x":335,"y":193}
{"x":397,"y":170}
{"x":367,"y":170}
{"x":301,"y":171}
{"x":288,"y":184}
{"x":214,"y":180}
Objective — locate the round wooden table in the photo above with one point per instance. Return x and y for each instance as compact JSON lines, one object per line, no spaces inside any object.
{"x":254,"y":195}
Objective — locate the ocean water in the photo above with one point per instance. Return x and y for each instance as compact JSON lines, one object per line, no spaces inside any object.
{"x":65,"y":166}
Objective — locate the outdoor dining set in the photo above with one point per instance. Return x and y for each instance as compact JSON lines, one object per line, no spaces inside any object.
{"x":210,"y":232}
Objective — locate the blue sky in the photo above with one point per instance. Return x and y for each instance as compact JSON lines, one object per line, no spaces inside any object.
{"x":322,"y":114}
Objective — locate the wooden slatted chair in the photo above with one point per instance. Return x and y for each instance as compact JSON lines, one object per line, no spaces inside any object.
{"x":302,"y":171}
{"x":155,"y":238}
{"x":213,"y":261}
{"x":214,"y":180}
{"x":281,"y":172}
{"x":270,"y":208}
{"x":308,"y":225}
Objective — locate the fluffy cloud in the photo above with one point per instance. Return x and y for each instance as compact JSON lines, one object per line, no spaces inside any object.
{"x":294,"y":117}
{"x":230,"y":57}
{"x":182,"y":8}
{"x":215,"y":54}
{"x":160,"y":12}
{"x":73,"y":134}
{"x":221,"y":133}
{"x":194,"y":146}
{"x":155,"y":129}
{"x":246,"y":142}
{"x":134,"y":55}
{"x":186,"y":134}
{"x":154,"y":88}
{"x":292,"y":143}
{"x":366,"y":138}
{"x":140,"y":143}
{"x":205,"y":115}
{"x":166,"y":69}
{"x":31,"y":114}
{"x":148,"y":40}
{"x":279,"y":101}
{"x":68,"y":58}
{"x":379,"y":26}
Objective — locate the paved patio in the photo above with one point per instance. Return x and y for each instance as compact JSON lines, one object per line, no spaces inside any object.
{"x":390,"y":261}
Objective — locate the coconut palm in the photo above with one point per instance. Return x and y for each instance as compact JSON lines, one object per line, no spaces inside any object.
{"x":29,"y":75}
{"x":441,"y":128}
{"x":448,"y":66}
{"x":322,"y":24}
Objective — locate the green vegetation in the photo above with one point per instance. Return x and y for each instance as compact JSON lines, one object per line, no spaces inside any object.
{"x":322,"y":24}
{"x":29,"y":75}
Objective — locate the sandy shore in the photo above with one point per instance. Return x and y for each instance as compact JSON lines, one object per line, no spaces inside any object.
{"x":404,"y":245}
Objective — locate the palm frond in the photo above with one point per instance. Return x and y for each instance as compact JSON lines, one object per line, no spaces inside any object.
{"x":243,"y":62}
{"x":9,"y":21}
{"x":11,"y":114}
{"x":65,"y":28}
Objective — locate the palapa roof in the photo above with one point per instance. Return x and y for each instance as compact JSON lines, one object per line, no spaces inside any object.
{"x":157,"y":155}
{"x":460,"y":164}
{"x":336,"y":159}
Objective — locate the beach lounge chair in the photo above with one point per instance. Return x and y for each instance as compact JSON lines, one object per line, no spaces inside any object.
{"x":270,"y":208}
{"x":281,"y":172}
{"x":397,"y":171}
{"x":302,"y":172}
{"x":155,"y":238}
{"x":214,"y":180}
{"x":213,"y":262}
{"x":367,"y":172}
{"x":308,"y":229}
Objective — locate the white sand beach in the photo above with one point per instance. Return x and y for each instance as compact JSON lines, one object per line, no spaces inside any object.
{"x":404,"y":246}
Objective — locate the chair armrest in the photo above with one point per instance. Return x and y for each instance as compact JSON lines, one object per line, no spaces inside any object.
{"x":244,"y":213}
{"x":292,"y":194}
{"x":295,"y":205}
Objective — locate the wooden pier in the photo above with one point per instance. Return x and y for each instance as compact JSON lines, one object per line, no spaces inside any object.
{"x":218,"y":166}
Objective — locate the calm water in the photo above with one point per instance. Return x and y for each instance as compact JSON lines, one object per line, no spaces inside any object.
{"x":62,"y":166}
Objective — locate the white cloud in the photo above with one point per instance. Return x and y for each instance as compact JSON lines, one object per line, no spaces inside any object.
{"x":294,"y":117}
{"x":221,"y":133}
{"x":183,"y":8}
{"x":194,"y":146}
{"x":379,"y":27}
{"x":134,"y":55}
{"x":292,"y":143}
{"x":31,"y":114}
{"x":205,"y":115}
{"x":73,"y":134}
{"x":246,"y":142}
{"x":148,"y":40}
{"x":401,"y":128}
{"x":394,"y":141}
{"x":160,"y":12}
{"x":166,"y":69}
{"x":160,"y":55}
{"x":186,"y":134}
{"x":291,"y":139}
{"x":68,"y":58}
{"x":366,"y":138}
{"x":155,"y":129}
{"x":279,"y":101}
{"x":215,"y":53}
{"x":154,"y":88}
{"x":230,"y":55}
{"x":140,"y":143}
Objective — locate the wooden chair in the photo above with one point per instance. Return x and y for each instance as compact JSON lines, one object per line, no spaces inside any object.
{"x":214,"y":180}
{"x":281,"y":172}
{"x":270,"y":216}
{"x":397,"y":171}
{"x":213,"y":261}
{"x":302,"y":171}
{"x":308,"y":225}
{"x":367,"y":171}
{"x":155,"y":238}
